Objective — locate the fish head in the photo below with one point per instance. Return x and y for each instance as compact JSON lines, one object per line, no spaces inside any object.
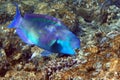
{"x":66,"y":43}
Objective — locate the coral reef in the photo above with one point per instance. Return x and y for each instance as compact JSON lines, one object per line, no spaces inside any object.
{"x":98,"y":30}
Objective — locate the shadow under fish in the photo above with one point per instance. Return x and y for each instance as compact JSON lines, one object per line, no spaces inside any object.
{"x":46,"y":32}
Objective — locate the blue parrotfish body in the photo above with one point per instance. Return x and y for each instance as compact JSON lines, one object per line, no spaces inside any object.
{"x":46,"y":32}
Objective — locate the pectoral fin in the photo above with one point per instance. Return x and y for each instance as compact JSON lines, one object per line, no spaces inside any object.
{"x":42,"y":54}
{"x":46,"y":53}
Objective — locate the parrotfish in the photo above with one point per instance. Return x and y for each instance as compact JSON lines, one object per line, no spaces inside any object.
{"x":46,"y":32}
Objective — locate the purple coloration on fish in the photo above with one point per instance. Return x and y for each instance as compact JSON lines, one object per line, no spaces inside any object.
{"x":46,"y":32}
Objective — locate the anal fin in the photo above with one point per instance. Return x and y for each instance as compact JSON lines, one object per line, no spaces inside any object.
{"x":42,"y":54}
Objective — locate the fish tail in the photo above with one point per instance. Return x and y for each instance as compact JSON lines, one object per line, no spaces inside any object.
{"x":17,"y":17}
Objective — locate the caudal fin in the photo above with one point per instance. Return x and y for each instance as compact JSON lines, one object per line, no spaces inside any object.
{"x":16,"y":19}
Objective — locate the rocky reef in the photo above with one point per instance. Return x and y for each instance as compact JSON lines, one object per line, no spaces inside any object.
{"x":97,"y":27}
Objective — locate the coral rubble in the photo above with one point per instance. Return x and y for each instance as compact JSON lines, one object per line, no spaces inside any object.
{"x":98,"y":30}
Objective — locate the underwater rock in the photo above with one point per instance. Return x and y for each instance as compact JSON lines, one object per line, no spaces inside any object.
{"x":30,"y":3}
{"x":27,"y":9}
{"x":4,"y":17}
{"x":4,"y":67}
{"x":87,"y":15}
{"x":4,"y":64}
{"x":2,"y":54}
{"x":42,"y":8}
{"x":18,"y":75}
{"x":61,"y":65}
{"x":100,"y":42}
{"x":29,"y":67}
{"x":18,"y":67}
{"x":17,"y":56}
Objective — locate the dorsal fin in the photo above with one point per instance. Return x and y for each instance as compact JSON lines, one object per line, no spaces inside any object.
{"x":41,"y":16}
